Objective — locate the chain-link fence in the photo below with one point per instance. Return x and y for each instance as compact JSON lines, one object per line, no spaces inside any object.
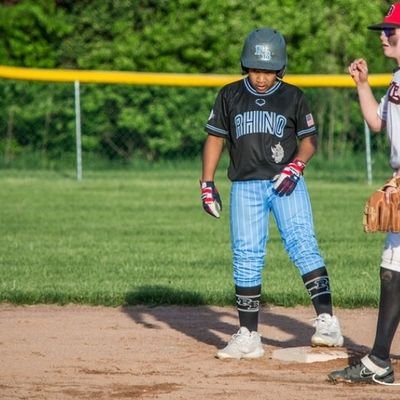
{"x":60,"y":125}
{"x":42,"y":123}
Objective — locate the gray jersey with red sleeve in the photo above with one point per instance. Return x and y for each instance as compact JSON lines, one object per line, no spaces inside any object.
{"x":261,"y":129}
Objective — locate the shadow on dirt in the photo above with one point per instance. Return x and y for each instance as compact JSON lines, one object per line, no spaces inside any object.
{"x":207,"y":324}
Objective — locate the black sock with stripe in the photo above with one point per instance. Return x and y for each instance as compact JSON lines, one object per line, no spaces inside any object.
{"x":248,"y":306}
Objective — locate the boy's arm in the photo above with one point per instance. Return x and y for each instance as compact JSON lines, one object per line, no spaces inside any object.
{"x":307,"y":148}
{"x":212,"y":151}
{"x":358,"y":70}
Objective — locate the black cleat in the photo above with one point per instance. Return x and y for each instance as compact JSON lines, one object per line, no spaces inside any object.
{"x":369,"y":369}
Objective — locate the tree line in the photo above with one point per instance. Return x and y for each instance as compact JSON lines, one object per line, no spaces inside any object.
{"x":181,"y":36}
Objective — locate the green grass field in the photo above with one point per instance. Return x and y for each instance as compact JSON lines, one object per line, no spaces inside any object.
{"x":141,"y":237}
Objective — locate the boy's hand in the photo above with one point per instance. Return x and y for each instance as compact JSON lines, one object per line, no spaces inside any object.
{"x":210,"y":198}
{"x":286,"y":181}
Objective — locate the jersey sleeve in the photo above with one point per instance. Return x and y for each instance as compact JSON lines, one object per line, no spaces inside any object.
{"x":218,"y":121}
{"x":382,"y":109}
{"x":305,"y":120}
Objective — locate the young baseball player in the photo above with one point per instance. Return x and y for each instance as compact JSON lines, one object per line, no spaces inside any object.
{"x":376,"y":367}
{"x":270,"y":135}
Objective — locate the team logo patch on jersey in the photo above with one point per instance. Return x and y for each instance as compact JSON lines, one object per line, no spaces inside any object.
{"x":394,"y":93}
{"x":260,"y":102}
{"x":277,"y":153}
{"x":309,"y":120}
{"x":263,"y":51}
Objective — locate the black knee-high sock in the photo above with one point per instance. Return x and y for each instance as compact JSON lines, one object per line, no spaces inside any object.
{"x":248,"y":306}
{"x":317,"y":285}
{"x":388,"y":314}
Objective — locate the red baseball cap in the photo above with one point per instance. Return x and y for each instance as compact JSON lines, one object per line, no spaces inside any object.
{"x":391,"y":20}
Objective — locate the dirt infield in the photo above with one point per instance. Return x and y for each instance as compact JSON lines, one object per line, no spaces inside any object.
{"x":73,"y":352}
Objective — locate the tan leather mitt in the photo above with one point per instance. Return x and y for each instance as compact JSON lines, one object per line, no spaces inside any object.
{"x":379,"y":215}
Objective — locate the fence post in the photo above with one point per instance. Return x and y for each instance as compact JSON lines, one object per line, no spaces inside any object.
{"x":78,"y":132}
{"x":368,"y":152}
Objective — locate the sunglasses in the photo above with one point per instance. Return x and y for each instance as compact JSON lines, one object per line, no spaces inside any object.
{"x":389,"y":31}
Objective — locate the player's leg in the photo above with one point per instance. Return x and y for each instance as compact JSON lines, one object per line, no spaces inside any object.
{"x":376,"y":366}
{"x":248,"y":240}
{"x":389,"y":303}
{"x":317,"y":285}
{"x":293,"y":215}
{"x":248,"y":306}
{"x":249,"y":227}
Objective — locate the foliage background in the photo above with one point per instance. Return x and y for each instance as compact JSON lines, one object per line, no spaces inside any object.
{"x":126,"y":123}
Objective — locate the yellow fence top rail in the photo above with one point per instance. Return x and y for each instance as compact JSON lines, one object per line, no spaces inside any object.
{"x":172,"y":79}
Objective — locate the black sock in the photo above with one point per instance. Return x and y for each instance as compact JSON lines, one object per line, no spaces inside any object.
{"x":248,"y":306}
{"x":388,"y":314}
{"x":317,"y":285}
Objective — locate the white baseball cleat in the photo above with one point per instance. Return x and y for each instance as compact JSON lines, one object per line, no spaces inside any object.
{"x":243,"y":344}
{"x":327,"y":331}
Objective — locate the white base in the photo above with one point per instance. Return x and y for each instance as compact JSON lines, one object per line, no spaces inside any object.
{"x":308,"y":354}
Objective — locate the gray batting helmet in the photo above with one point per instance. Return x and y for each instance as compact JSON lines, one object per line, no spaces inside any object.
{"x":264,"y":48}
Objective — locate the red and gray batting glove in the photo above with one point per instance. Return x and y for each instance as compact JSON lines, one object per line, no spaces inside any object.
{"x":210,"y":198}
{"x":286,"y":181}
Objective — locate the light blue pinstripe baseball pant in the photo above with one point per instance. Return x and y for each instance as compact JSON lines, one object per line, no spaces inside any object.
{"x":251,"y":203}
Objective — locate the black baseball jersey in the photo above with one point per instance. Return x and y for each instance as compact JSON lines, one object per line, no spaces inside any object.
{"x":261,"y":129}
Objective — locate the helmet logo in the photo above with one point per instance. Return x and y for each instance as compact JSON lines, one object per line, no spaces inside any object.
{"x":263,"y":51}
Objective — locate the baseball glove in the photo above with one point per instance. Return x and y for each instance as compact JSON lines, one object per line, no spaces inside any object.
{"x":381,"y":215}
